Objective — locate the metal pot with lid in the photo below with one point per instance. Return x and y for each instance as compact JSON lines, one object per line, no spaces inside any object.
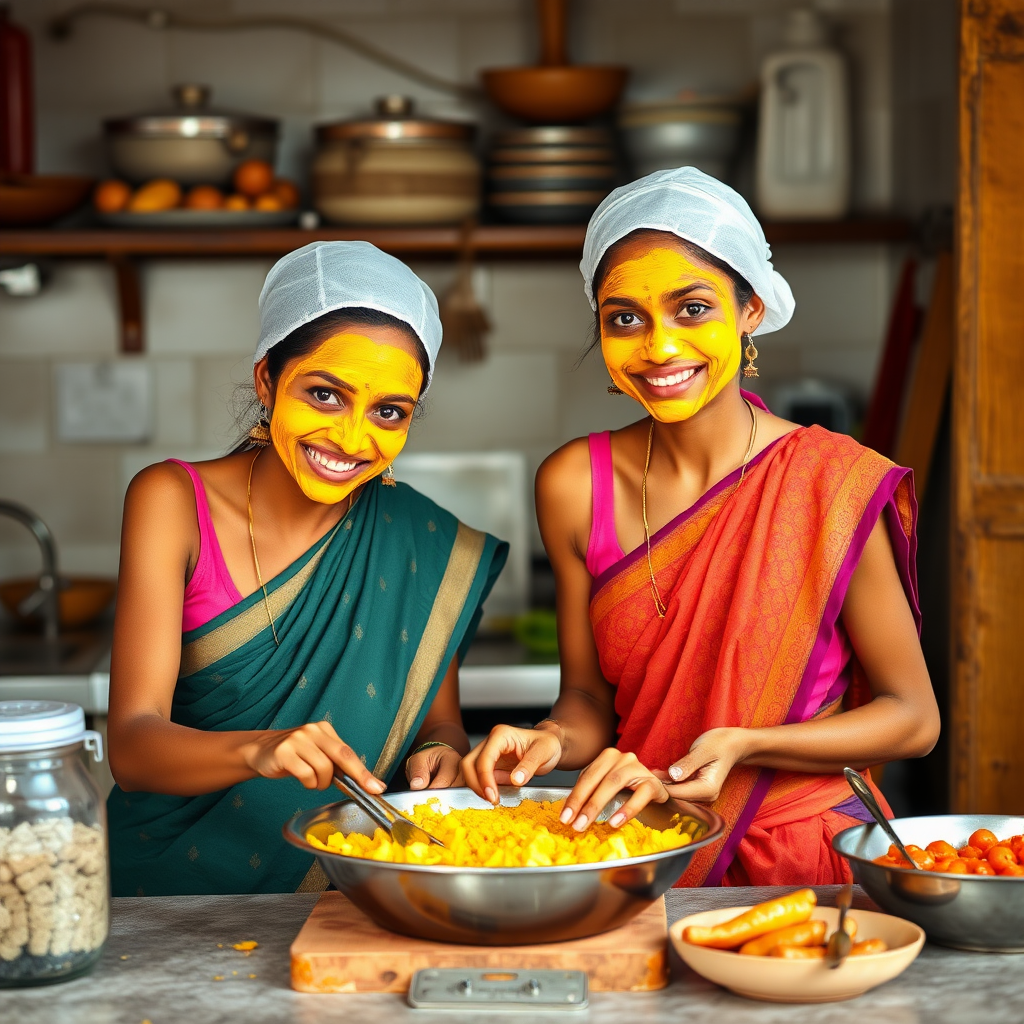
{"x":396,"y":168}
{"x":192,"y":144}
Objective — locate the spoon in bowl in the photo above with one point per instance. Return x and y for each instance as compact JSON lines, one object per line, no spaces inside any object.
{"x":867,"y":798}
{"x":388,"y":817}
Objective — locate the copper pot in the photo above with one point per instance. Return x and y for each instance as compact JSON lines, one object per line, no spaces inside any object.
{"x":396,"y":168}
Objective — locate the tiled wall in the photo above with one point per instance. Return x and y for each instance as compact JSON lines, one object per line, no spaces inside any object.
{"x":201,"y":318}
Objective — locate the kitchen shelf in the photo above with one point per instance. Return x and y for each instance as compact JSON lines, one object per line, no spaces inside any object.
{"x":123,"y":248}
{"x":489,"y":239}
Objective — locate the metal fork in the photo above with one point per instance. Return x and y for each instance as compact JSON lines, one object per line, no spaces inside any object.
{"x":402,"y":830}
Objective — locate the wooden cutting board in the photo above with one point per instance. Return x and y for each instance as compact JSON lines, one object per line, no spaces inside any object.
{"x":339,"y":949}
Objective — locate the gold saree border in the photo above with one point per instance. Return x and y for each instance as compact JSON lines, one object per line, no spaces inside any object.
{"x":459,"y":575}
{"x":450,"y":600}
{"x":207,"y":650}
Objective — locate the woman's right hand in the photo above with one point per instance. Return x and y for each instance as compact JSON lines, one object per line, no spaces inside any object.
{"x":312,"y":753}
{"x":510,"y":756}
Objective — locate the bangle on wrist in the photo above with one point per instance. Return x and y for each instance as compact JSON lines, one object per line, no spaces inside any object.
{"x":429,"y":744}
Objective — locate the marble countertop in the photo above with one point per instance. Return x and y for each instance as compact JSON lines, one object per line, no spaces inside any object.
{"x":163,"y":956}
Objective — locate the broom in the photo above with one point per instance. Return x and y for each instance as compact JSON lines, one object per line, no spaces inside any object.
{"x":465,"y":322}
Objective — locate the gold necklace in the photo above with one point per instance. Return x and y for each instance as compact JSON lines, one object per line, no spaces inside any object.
{"x":659,"y":604}
{"x":252,"y":538}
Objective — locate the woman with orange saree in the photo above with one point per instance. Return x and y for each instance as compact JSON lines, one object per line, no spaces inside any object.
{"x":737,"y":608}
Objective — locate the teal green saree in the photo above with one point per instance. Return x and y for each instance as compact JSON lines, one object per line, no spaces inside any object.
{"x":368,"y":621}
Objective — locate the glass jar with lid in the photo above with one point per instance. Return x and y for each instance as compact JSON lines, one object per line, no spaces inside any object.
{"x":54,"y":867}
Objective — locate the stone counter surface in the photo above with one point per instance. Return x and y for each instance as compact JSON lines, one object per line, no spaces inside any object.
{"x":162,"y":959}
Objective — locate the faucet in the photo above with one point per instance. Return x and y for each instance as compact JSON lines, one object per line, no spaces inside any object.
{"x":45,"y":595}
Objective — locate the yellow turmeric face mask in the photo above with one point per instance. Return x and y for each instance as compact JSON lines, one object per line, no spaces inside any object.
{"x":341,"y":414}
{"x":670,"y":333}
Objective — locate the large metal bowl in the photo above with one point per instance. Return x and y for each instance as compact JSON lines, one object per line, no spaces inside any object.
{"x":964,"y":911}
{"x":499,"y":906}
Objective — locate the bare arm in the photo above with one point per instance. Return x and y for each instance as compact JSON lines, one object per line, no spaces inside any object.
{"x":147,"y":751}
{"x":581,"y":727}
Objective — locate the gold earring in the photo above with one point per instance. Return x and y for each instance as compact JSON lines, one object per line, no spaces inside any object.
{"x":388,"y":478}
{"x":750,"y":353}
{"x":259,"y":435}
{"x":614,"y":389}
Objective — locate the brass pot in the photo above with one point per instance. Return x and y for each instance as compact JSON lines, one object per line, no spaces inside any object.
{"x":192,"y":144}
{"x":396,"y":168}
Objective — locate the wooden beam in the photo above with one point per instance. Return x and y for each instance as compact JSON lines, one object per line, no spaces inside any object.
{"x":493,"y":240}
{"x":988,"y":417}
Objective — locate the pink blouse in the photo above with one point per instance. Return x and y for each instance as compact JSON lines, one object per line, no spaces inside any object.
{"x":210,"y":590}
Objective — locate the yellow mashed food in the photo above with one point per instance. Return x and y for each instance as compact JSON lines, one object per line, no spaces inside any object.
{"x":526,"y":836}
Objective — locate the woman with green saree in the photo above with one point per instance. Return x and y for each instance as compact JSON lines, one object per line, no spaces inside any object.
{"x":288,"y":611}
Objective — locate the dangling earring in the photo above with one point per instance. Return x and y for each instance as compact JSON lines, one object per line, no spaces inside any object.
{"x":259,"y":435}
{"x":750,"y":353}
{"x":614,"y":389}
{"x":388,"y":478}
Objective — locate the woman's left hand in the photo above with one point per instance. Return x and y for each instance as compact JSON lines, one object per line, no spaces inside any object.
{"x":701,"y":774}
{"x":434,"y":768}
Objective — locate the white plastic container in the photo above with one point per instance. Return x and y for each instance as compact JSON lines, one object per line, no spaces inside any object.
{"x":803,"y":146}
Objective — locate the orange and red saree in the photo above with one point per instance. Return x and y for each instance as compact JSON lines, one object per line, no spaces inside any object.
{"x":754,"y":576}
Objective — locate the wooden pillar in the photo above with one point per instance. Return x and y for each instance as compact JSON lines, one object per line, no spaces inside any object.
{"x":988,"y":416}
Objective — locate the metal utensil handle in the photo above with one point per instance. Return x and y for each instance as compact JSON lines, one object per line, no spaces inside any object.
{"x":363,"y":800}
{"x":867,"y":798}
{"x":839,"y":944}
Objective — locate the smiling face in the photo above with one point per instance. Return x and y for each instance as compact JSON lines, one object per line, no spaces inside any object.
{"x":340,"y":415}
{"x":670,"y":326}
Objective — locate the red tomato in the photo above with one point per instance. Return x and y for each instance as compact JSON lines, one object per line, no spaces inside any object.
{"x":1013,"y":871}
{"x":970,"y":853}
{"x":942,"y":863}
{"x":982,"y":840}
{"x":980,"y":867}
{"x":958,"y":867}
{"x":1017,"y":845}
{"x":941,"y":849}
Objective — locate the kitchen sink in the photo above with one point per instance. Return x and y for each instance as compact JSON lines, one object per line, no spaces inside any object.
{"x":25,"y":652}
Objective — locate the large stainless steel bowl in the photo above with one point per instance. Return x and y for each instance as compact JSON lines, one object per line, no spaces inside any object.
{"x":964,"y":911}
{"x":499,"y":906}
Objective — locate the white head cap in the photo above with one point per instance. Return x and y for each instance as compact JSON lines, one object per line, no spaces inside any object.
{"x":325,"y":276}
{"x":701,"y":210}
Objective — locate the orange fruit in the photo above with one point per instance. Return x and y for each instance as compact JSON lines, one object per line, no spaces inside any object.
{"x":204,"y":197}
{"x":111,"y":196}
{"x":268,"y":202}
{"x":253,"y":177}
{"x":287,"y":192}
{"x":236,"y":202}
{"x":156,"y":196}
{"x":982,"y":840}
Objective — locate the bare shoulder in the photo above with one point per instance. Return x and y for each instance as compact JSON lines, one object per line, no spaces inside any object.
{"x":563,"y":493}
{"x":164,"y":486}
{"x":565,"y":468}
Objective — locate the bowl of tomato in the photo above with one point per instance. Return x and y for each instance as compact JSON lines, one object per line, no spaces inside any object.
{"x":966,"y":887}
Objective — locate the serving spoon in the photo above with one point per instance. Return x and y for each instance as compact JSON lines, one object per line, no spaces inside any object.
{"x":388,"y":817}
{"x":867,"y":798}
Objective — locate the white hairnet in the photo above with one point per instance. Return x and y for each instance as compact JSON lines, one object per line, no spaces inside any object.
{"x":324,"y":276}
{"x":701,"y":210}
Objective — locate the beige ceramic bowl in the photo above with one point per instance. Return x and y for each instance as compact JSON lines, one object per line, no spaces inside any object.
{"x":804,"y":981}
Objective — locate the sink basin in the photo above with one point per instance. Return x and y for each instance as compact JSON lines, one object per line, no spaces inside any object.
{"x":26,"y":652}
